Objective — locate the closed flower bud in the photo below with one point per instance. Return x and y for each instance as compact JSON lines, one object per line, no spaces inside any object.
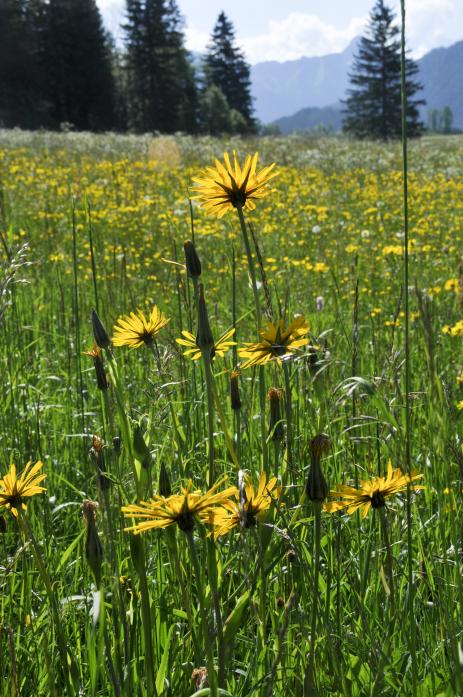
{"x":204,"y":338}
{"x":99,"y":332}
{"x":235,"y":390}
{"x":93,"y":546}
{"x":192,"y":262}
{"x":275,"y":428}
{"x":316,"y":487}
{"x":101,"y":379}
{"x":117,"y":446}
{"x":164,"y":481}
{"x":140,"y":448}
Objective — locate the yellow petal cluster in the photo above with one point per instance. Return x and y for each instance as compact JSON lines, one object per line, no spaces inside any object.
{"x":14,"y":489}
{"x":135,"y":329}
{"x":278,"y":341}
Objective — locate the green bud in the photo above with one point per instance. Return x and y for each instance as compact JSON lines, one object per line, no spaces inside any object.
{"x":93,"y":546}
{"x":204,"y":338}
{"x":192,"y":262}
{"x":140,"y":448}
{"x":316,"y":487}
{"x":164,"y":481}
{"x":99,"y":332}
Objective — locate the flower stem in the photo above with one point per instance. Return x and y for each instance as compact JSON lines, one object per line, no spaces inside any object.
{"x":252,"y":273}
{"x":67,"y":660}
{"x":202,"y":608}
{"x":309,"y":685}
{"x":289,"y":428}
{"x":210,"y":413}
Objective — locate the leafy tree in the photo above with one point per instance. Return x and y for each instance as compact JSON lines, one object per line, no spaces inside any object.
{"x":160,"y":78}
{"x":226,"y":68}
{"x":214,"y":112}
{"x":447,"y":119}
{"x":373,"y":104}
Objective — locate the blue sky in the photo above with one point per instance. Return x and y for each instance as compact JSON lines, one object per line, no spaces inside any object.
{"x":288,"y":29}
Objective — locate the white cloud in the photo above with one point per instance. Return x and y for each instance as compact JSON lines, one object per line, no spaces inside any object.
{"x":196,"y":40}
{"x":299,"y":35}
{"x":429,"y":23}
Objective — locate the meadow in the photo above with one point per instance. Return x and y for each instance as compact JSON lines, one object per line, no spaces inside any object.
{"x":282,"y":589}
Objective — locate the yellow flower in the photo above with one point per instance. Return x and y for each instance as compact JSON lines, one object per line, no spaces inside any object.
{"x":14,"y":489}
{"x":161,"y":511}
{"x":277,"y":342}
{"x":222,"y":188}
{"x":135,"y":329}
{"x":371,"y":494}
{"x":254,"y":506}
{"x":94,"y":352}
{"x":220,"y":347}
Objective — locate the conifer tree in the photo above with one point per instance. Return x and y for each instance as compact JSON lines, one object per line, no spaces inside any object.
{"x":373,"y":104}
{"x":162,"y":89}
{"x":226,"y":68}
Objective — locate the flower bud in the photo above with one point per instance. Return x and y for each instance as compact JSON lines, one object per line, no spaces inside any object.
{"x":275,"y":427}
{"x":235,"y":390}
{"x":192,"y":262}
{"x":93,"y":546}
{"x":99,"y":332}
{"x":164,"y":481}
{"x":204,"y":338}
{"x":97,"y":453}
{"x":117,"y":446}
{"x":316,"y":487}
{"x":141,"y":450}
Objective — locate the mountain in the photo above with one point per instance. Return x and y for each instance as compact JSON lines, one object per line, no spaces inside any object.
{"x":287,"y":89}
{"x":330,"y":117}
{"x":280,"y":89}
{"x":441,"y":72}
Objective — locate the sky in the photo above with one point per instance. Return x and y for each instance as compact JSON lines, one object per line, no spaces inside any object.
{"x":286,"y":30}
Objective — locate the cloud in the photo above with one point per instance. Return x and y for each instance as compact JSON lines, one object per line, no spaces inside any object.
{"x":299,"y":35}
{"x":429,"y":23}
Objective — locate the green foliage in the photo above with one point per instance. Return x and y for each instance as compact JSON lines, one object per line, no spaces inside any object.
{"x":373,"y":104}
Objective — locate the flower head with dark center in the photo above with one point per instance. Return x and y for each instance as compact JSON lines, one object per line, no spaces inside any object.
{"x":182,"y":509}
{"x":14,"y":489}
{"x":227,"y":186}
{"x":135,"y":329}
{"x":371,"y":493}
{"x":253,"y":506}
{"x":277,"y":342}
{"x":219,"y":349}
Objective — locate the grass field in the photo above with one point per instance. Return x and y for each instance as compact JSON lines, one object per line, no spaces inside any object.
{"x":300,"y":599}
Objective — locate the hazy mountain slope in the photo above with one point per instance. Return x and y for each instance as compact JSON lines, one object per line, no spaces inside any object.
{"x":441,"y":72}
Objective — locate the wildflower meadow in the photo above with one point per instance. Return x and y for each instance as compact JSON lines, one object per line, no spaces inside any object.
{"x":230,"y":426}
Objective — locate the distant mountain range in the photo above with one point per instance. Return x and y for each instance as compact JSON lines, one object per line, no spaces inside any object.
{"x":304,"y":93}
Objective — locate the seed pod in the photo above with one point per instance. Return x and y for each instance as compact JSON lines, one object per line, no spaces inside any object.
{"x":275,"y":427}
{"x":93,"y":546}
{"x":141,"y":450}
{"x":192,"y":262}
{"x":117,"y":445}
{"x":164,"y":481}
{"x":204,"y":338}
{"x":235,"y":390}
{"x":316,"y":487}
{"x":99,"y":332}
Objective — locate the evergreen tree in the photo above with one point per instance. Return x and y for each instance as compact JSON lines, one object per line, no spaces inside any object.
{"x":22,"y":79}
{"x":373,"y":104}
{"x":162,"y":88}
{"x":226,"y":68}
{"x":78,"y":65}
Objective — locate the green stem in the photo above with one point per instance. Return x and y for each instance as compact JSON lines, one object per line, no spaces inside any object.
{"x":147,"y":630}
{"x":252,"y":273}
{"x":389,"y":558}
{"x":67,"y":661}
{"x":309,"y":684}
{"x":202,"y":608}
{"x":210,"y":413}
{"x":289,"y":427}
{"x":411,"y":589}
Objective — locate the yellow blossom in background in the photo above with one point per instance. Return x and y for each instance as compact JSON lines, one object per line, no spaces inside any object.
{"x":226,"y":186}
{"x":277,"y":342}
{"x":221,"y":346}
{"x":371,"y":493}
{"x":460,"y":405}
{"x":14,"y":489}
{"x":135,"y":329}
{"x":253,"y":507}
{"x":456,"y":330}
{"x":182,"y":509}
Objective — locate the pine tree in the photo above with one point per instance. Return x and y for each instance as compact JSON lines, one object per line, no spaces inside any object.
{"x":162,"y":88}
{"x":373,"y":104}
{"x":226,"y":68}
{"x":22,"y":79}
{"x":78,"y":66}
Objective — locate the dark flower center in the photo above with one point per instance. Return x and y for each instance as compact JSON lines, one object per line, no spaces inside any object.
{"x":186,"y":521}
{"x":378,"y":500}
{"x":249,"y":517}
{"x":147,"y":337}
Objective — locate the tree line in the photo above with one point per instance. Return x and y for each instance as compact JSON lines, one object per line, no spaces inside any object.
{"x":60,"y":68}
